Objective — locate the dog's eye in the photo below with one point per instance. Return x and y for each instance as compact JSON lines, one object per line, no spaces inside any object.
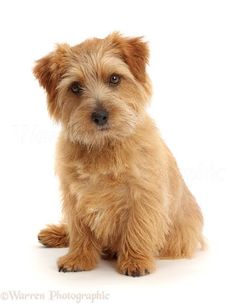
{"x":114,"y":79}
{"x":76,"y":88}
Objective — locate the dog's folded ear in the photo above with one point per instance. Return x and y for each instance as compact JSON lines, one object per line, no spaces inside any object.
{"x":135,"y":53}
{"x":49,"y":69}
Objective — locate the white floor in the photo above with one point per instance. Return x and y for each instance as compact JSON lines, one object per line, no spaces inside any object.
{"x":29,"y":270}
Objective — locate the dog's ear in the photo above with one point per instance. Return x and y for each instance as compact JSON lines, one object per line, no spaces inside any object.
{"x":49,"y":70}
{"x":135,"y":53}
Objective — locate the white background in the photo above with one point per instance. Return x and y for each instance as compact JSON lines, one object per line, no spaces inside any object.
{"x":193,"y":68}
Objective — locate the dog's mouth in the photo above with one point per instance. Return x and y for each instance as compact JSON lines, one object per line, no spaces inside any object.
{"x":103,"y":128}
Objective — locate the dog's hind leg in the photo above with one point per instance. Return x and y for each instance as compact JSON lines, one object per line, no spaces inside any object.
{"x":185,"y":237}
{"x":54,"y":236}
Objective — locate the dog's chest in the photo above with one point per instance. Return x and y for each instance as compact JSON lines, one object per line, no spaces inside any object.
{"x":102,"y":201}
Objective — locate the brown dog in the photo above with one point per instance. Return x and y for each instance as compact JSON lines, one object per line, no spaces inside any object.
{"x":123,"y":194}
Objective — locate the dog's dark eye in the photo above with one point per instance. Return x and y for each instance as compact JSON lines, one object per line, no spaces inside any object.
{"x":114,"y":79}
{"x":76,"y":88}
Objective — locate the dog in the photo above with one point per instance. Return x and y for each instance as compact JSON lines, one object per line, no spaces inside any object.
{"x":123,"y":195}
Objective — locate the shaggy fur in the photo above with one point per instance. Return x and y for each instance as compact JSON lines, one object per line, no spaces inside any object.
{"x":123,"y":195}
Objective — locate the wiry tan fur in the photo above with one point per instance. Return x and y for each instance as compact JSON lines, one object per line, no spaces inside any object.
{"x":123,"y":195}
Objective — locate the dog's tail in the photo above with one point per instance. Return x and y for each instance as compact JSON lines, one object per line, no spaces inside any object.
{"x":54,"y":236}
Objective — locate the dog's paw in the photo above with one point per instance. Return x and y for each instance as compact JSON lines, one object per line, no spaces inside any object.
{"x":135,"y":268}
{"x":72,"y":263}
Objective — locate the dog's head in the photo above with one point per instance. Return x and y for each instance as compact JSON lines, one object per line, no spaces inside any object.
{"x":97,"y":89}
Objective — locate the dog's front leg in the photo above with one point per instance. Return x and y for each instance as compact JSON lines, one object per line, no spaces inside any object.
{"x":143,"y":234}
{"x":84,"y":250}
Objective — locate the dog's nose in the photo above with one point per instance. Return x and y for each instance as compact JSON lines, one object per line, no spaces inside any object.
{"x":100,"y":117}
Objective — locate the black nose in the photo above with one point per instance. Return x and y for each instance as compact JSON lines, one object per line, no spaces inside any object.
{"x":100,"y":117}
